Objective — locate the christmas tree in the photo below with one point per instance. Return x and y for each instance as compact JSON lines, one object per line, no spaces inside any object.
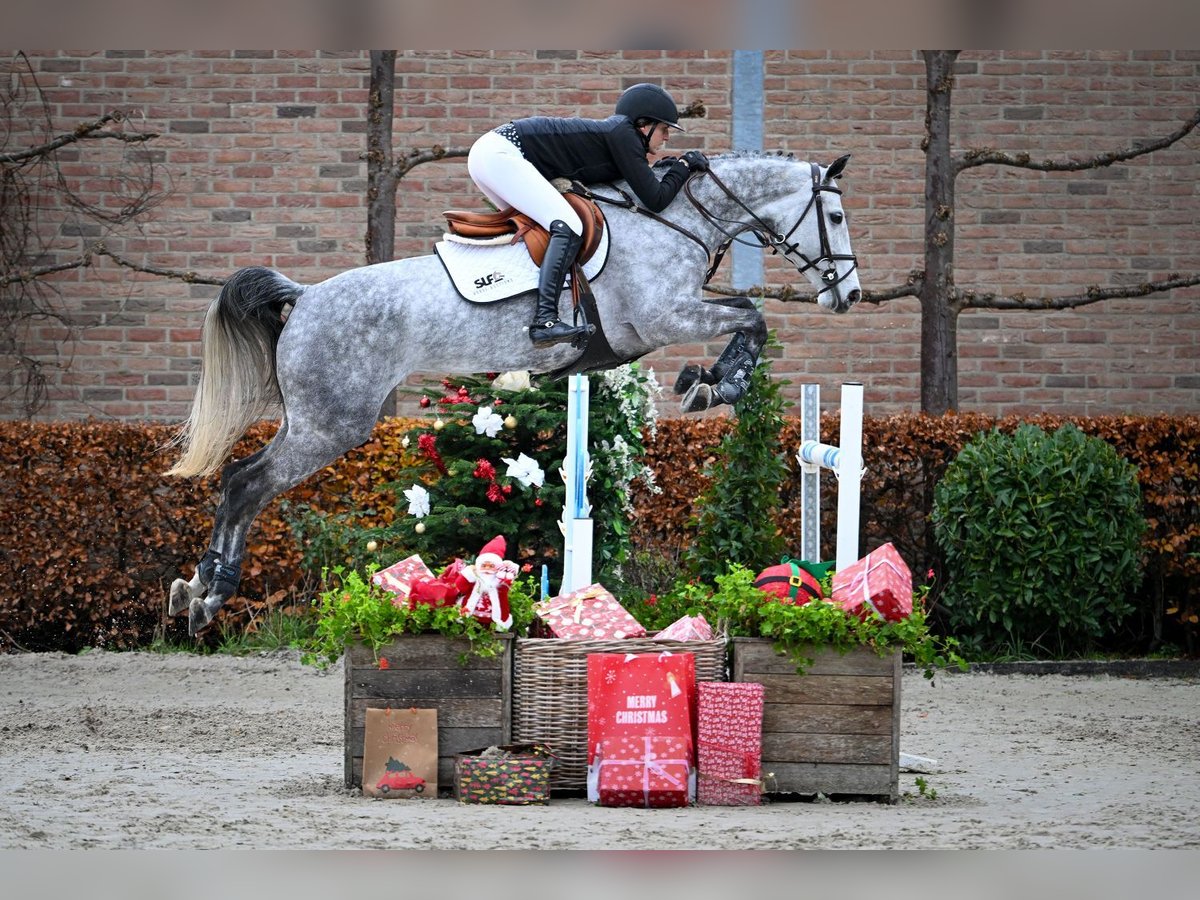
{"x":488,"y":464}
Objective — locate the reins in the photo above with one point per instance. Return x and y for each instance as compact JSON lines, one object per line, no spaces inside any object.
{"x":767,"y":237}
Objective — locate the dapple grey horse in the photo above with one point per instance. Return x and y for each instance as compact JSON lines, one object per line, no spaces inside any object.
{"x":349,"y":340}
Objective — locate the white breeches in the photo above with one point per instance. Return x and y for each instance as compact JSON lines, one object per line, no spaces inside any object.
{"x":508,"y":179}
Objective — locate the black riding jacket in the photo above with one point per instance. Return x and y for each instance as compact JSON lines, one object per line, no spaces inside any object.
{"x":595,"y":150}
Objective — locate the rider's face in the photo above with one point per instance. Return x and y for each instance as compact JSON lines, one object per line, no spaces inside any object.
{"x":658,"y":134}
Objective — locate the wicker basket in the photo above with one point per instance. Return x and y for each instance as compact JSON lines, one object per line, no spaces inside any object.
{"x":549,"y":693}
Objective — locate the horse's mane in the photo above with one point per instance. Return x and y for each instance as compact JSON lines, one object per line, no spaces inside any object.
{"x":738,"y":154}
{"x":755,"y":154}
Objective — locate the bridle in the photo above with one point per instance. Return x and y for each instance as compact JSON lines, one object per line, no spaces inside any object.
{"x":765,"y":235}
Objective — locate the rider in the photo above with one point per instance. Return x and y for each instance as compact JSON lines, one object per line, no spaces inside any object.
{"x":513,"y":164}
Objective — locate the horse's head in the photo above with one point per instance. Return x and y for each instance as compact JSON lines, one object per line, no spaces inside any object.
{"x":817,"y":238}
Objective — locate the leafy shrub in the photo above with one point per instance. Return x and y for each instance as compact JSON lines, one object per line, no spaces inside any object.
{"x":1041,"y":534}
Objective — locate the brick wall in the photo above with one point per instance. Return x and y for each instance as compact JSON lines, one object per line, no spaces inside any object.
{"x":263,"y":151}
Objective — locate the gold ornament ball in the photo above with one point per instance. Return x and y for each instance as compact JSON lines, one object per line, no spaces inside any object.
{"x":438,"y":424}
{"x":420,"y":528}
{"x":510,"y":422}
{"x":372,"y":546}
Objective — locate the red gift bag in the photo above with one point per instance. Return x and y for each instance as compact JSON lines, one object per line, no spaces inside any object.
{"x":632,"y":697}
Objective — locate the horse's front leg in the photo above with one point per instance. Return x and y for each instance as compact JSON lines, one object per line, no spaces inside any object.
{"x":730,"y":376}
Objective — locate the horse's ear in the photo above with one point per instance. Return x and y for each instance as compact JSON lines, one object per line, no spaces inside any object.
{"x":835,"y":170}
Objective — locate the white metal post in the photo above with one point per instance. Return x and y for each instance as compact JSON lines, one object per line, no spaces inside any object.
{"x":576,"y":522}
{"x":849,"y":474}
{"x":845,"y":461}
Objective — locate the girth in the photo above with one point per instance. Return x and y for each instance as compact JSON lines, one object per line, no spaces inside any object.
{"x":480,"y":225}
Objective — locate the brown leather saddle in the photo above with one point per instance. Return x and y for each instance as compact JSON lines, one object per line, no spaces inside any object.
{"x":481,"y":225}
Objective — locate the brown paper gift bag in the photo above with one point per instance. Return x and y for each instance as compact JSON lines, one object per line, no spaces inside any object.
{"x":400,"y":753}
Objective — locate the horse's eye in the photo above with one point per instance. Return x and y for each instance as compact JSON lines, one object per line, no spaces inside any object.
{"x":836,"y":218}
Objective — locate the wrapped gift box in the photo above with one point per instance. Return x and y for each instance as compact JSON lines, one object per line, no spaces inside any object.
{"x":880,"y":583}
{"x":688,"y":628}
{"x":588,"y":613}
{"x":729,"y":744}
{"x":510,"y":774}
{"x":398,"y":578}
{"x":649,"y":771}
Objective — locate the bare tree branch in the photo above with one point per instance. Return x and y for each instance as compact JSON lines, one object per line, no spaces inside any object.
{"x":972,"y":158}
{"x":975,"y":300}
{"x":415,"y":157}
{"x":84,"y":131}
{"x":87,"y":258}
{"x":788,"y":294}
{"x":188,"y":275}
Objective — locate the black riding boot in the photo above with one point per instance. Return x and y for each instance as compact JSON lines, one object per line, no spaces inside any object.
{"x":546,"y":329}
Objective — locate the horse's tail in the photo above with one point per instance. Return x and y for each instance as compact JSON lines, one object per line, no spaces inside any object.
{"x":237,"y":373}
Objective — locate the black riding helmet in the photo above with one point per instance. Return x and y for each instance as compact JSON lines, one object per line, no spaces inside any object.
{"x":649,"y":101}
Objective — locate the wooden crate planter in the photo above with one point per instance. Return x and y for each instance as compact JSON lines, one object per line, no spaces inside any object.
{"x":472,"y":698}
{"x":833,"y":730}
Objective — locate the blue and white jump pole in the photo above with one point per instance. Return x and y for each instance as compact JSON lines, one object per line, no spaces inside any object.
{"x":846,"y":463}
{"x":576,"y":522}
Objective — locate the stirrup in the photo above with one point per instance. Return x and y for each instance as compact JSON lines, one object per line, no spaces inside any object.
{"x":553,"y":332}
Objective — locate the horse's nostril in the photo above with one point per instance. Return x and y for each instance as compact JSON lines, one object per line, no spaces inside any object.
{"x":854,"y":296}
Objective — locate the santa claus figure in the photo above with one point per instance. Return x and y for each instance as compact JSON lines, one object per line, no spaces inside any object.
{"x":485,"y":585}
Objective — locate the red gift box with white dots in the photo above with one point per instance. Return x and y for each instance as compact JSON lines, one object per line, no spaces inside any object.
{"x":398,"y":578}
{"x":880,"y":583}
{"x":590,"y":613}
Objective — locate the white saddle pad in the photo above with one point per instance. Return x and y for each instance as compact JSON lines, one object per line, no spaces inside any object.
{"x":484,"y":271}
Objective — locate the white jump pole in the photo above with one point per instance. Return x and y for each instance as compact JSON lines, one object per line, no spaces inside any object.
{"x":845,"y":461}
{"x":576,"y":521}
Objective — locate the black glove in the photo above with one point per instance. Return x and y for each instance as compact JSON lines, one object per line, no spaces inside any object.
{"x":696,"y":161}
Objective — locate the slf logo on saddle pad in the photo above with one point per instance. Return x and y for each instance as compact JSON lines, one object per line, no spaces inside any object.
{"x":484,"y":271}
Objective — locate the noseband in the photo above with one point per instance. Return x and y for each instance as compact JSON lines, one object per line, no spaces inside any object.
{"x":769,"y":238}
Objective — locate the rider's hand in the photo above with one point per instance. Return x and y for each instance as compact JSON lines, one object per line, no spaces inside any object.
{"x":696,"y":161}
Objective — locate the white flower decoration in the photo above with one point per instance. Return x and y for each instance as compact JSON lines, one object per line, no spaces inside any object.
{"x":487,"y":422}
{"x":418,"y":501}
{"x":512,"y":381}
{"x":525,"y":470}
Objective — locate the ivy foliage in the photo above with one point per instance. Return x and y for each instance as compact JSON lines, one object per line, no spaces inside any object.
{"x":354,"y":609}
{"x":734,"y":606}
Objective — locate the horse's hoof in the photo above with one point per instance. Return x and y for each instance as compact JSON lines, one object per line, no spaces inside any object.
{"x":198,"y":617}
{"x":688,"y":376}
{"x":181,"y":596}
{"x":698,"y":397}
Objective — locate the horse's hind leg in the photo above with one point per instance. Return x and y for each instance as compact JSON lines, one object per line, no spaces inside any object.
{"x":184,"y":592}
{"x":291,"y":457}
